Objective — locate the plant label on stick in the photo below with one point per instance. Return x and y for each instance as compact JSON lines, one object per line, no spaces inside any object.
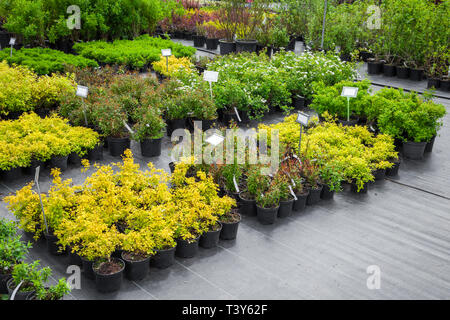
{"x":303,"y":118}
{"x":237,"y":114}
{"x":82,"y":91}
{"x":128,"y":127}
{"x":235,"y":184}
{"x":36,"y":180}
{"x":166,"y":52}
{"x":211,"y":76}
{"x":292,"y":193}
{"x":349,"y":92}
{"x":12,"y":41}
{"x":293,"y":182}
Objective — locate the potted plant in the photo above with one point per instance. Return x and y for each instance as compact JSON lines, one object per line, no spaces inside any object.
{"x":280,"y":38}
{"x":213,"y":34}
{"x":230,"y":223}
{"x":111,"y":119}
{"x":30,"y":278}
{"x":249,"y":20}
{"x":301,"y":193}
{"x":137,"y":246}
{"x":228,"y":22}
{"x":200,"y":36}
{"x":281,"y":183}
{"x":210,"y":238}
{"x":256,"y":184}
{"x":149,"y":131}
{"x":267,"y":205}
{"x":311,"y":174}
{"x":331,"y":178}
{"x":165,"y":247}
{"x":56,"y":292}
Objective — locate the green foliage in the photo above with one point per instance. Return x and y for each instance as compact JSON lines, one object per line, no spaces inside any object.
{"x":257,"y":183}
{"x":12,"y":249}
{"x":150,"y":125}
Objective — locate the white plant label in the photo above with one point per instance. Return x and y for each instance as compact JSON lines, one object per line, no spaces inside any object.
{"x":211,"y":76}
{"x":82,"y":91}
{"x":36,"y":180}
{"x":349,"y":92}
{"x":292,"y":193}
{"x":237,"y":114}
{"x":128,"y":127}
{"x":303,"y":118}
{"x":235,"y":184}
{"x":293,"y":182}
{"x":12,"y":41}
{"x":215,"y":139}
{"x":166,"y":52}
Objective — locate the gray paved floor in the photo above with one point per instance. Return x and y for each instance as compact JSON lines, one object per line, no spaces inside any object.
{"x":321,"y":253}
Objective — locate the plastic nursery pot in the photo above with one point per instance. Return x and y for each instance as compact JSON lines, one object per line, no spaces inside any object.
{"x":60,"y":162}
{"x":433,"y":82}
{"x":285,"y":208}
{"x":444,"y":84}
{"x":151,"y":147}
{"x":291,"y":45}
{"x":374,"y":67}
{"x":163,"y":258}
{"x":52,"y":245}
{"x":187,"y":248}
{"x":227,"y":47}
{"x":298,"y":102}
{"x":11,"y":174}
{"x":175,"y":124}
{"x":117,"y":146}
{"x":246,"y":45}
{"x":267,"y":215}
{"x":354,"y":188}
{"x":230,"y":228}
{"x":172,"y":167}
{"x":74,"y":259}
{"x":74,"y":159}
{"x":87,"y":268}
{"x":109,"y":275}
{"x":3,"y":280}
{"x":414,"y":150}
{"x":416,"y":74}
{"x":402,"y":72}
{"x":300,"y":203}
{"x":430,"y":144}
{"x":136,"y":268}
{"x":389,"y":70}
{"x":247,"y":207}
{"x":210,"y":239}
{"x":351,"y":123}
{"x":96,"y":153}
{"x":20,"y":295}
{"x":212,"y":43}
{"x":393,"y":171}
{"x":199,"y":41}
{"x":314,"y":196}
{"x":327,"y":194}
{"x":379,"y":174}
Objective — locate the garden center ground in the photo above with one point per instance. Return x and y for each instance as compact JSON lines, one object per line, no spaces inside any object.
{"x":402,"y":226}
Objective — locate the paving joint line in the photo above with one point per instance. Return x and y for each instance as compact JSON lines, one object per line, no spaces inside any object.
{"x":418,"y":189}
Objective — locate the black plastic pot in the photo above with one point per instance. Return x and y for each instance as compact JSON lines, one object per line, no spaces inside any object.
{"x":52,"y":246}
{"x":246,"y":45}
{"x":109,"y":282}
{"x":247,"y":207}
{"x":163,"y":258}
{"x":444,"y":85}
{"x":379,"y":174}
{"x":365,"y":55}
{"x":136,"y":270}
{"x":433,"y":82}
{"x":20,"y":295}
{"x":74,"y":159}
{"x":389,"y":70}
{"x":31,"y":169}
{"x":151,"y":147}
{"x":267,"y":216}
{"x":393,"y":171}
{"x":87,"y":268}
{"x":96,"y":153}
{"x":210,"y":239}
{"x":172,"y":167}
{"x":175,"y":124}
{"x":414,"y":150}
{"x":298,"y":102}
{"x":212,"y":43}
{"x":300,"y":203}
{"x":291,"y":44}
{"x":430,"y":144}
{"x":187,"y":249}
{"x":60,"y":162}
{"x":117,"y":146}
{"x":374,"y":67}
{"x":3,"y":280}
{"x":74,"y":259}
{"x":416,"y":74}
{"x":285,"y":208}
{"x":403,"y":72}
{"x":353,"y":122}
{"x":199,"y":41}
{"x":229,"y":229}
{"x":327,"y":194}
{"x":227,"y":47}
{"x":11,"y":174}
{"x":354,"y":188}
{"x":314,"y":196}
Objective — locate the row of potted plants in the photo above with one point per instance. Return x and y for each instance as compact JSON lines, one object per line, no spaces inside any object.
{"x":136,"y":218}
{"x":412,"y":120}
{"x":27,"y":281}
{"x":31,"y":141}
